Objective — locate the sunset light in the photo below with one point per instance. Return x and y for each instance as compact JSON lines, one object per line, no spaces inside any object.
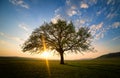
{"x":20,"y":17}
{"x":59,"y":38}
{"x":45,"y":54}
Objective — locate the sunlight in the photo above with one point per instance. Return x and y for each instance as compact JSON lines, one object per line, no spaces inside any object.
{"x":46,"y":54}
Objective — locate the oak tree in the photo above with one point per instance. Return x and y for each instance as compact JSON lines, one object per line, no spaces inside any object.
{"x":61,"y":37}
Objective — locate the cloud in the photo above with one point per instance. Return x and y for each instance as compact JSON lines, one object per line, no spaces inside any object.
{"x":111,"y":15}
{"x":99,"y":12}
{"x":57,"y":10}
{"x":71,"y":12}
{"x":99,"y":26}
{"x":84,"y":5}
{"x":58,"y":14}
{"x":2,"y":34}
{"x":79,"y":23}
{"x":116,"y":24}
{"x":24,"y":27}
{"x":20,"y":3}
{"x":96,"y":27}
{"x":116,"y":38}
{"x":97,"y":30}
{"x":109,"y":1}
{"x":100,"y":34}
{"x":82,"y":21}
{"x":68,"y":2}
{"x":54,"y":20}
{"x":10,"y":37}
{"x":93,"y":1}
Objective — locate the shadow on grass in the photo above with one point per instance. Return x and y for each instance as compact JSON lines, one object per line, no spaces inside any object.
{"x":71,"y":65}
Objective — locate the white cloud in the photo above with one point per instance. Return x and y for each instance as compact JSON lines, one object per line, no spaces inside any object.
{"x":10,"y":37}
{"x":71,"y":12}
{"x":2,"y":34}
{"x":58,"y":15}
{"x":109,"y":1}
{"x":68,"y":2}
{"x":101,"y":11}
{"x":73,"y":7}
{"x":84,"y":5}
{"x":24,"y":27}
{"x":96,"y":27}
{"x":97,"y":30}
{"x":98,"y":13}
{"x":116,"y":24}
{"x":111,"y":15}
{"x":99,"y":25}
{"x":20,"y":3}
{"x":57,"y":10}
{"x":100,"y":35}
{"x":82,"y":21}
{"x":93,"y":1}
{"x":54,"y":20}
{"x":116,"y":38}
{"x":79,"y":23}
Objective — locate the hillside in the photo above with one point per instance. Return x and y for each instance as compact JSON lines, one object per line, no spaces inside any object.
{"x":111,"y":55}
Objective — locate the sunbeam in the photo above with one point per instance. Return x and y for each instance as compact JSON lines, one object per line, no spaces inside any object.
{"x":46,"y":54}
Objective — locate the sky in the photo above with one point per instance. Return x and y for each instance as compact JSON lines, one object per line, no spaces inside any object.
{"x":18,"y":18}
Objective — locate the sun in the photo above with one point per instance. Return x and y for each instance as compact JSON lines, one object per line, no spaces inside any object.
{"x":46,"y":54}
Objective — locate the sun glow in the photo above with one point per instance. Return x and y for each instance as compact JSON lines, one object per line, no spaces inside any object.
{"x":46,"y":54}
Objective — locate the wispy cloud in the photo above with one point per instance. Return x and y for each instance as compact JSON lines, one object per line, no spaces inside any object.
{"x":100,"y":34}
{"x":109,"y":1}
{"x":57,"y":15}
{"x":71,"y":12}
{"x":54,"y":20}
{"x":97,"y":31}
{"x":24,"y":26}
{"x":68,"y":2}
{"x":116,"y":24}
{"x":116,"y":38}
{"x":99,"y":12}
{"x":20,"y":3}
{"x":93,"y":1}
{"x":95,"y":28}
{"x":84,"y":5}
{"x":71,"y":9}
{"x":57,"y":10}
{"x":10,"y":37}
{"x":80,"y":22}
{"x":111,"y":15}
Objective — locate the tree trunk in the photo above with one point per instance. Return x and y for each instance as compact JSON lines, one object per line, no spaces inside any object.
{"x":61,"y":58}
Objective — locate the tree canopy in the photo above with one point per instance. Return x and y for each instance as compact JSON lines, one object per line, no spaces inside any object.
{"x":60,"y":37}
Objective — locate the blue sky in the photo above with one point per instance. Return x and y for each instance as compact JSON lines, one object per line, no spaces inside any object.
{"x":18,"y":18}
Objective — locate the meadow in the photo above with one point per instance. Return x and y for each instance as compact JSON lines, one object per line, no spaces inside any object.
{"x":35,"y":68}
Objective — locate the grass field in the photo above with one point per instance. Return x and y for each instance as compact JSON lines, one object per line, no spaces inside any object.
{"x":99,"y":68}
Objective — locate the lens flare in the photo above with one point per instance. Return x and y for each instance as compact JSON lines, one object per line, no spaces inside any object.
{"x":46,"y":54}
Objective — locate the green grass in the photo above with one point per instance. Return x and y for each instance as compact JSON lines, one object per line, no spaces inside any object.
{"x":99,"y":68}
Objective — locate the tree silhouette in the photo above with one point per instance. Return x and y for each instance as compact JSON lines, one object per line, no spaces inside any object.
{"x":60,"y":37}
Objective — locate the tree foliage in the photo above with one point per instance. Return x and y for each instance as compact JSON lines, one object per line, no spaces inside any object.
{"x":60,"y":37}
